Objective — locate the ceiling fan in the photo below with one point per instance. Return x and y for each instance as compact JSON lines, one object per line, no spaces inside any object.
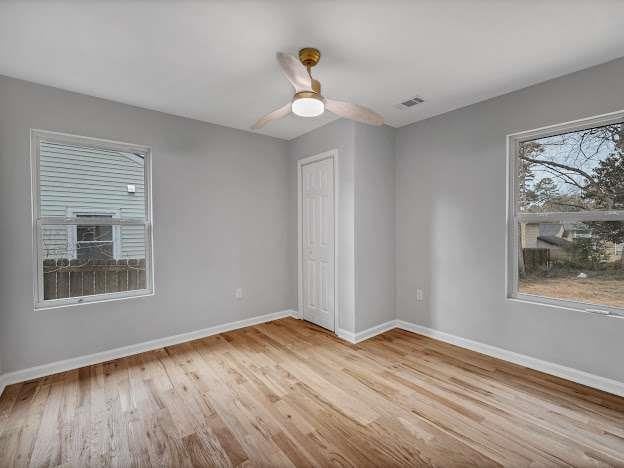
{"x":308,"y":101}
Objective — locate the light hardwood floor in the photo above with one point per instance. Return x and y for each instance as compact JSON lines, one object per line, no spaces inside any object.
{"x":288,"y":393}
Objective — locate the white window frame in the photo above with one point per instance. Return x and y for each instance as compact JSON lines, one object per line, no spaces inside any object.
{"x":72,"y":231}
{"x":40,"y":136}
{"x":515,"y":217}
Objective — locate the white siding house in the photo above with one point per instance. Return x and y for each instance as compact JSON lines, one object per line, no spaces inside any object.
{"x":87,"y":181}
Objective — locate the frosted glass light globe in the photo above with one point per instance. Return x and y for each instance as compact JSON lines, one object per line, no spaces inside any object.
{"x":308,"y":107}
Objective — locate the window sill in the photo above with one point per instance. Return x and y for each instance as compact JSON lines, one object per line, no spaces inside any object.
{"x":567,"y":305}
{"x":88,"y":300}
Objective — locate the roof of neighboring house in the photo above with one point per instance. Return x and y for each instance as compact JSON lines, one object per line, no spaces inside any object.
{"x":555,"y":240}
{"x":575,"y":227}
{"x":550,"y":229}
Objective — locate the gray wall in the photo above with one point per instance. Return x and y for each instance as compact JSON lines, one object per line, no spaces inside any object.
{"x":451,"y":209}
{"x":221,"y":220}
{"x":374,"y":225}
{"x":335,"y":135}
{"x":367,"y":224}
{"x":225,"y":206}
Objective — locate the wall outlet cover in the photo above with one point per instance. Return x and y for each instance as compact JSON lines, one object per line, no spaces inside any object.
{"x":419,"y":294}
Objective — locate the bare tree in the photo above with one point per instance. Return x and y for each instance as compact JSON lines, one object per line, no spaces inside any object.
{"x":588,"y":163}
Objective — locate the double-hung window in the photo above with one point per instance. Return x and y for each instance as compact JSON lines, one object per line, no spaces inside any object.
{"x":91,"y":219}
{"x":566,"y":215}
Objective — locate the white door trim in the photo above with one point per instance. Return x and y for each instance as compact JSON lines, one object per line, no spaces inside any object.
{"x":331,"y":154}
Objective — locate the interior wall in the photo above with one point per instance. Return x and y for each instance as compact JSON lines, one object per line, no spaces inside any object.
{"x":451,"y":225}
{"x":221,"y":220}
{"x":337,"y":135}
{"x":225,"y":206}
{"x":367,"y":225}
{"x":375,"y":225}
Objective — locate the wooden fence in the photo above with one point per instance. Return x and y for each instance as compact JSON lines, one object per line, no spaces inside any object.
{"x":536,"y":259}
{"x":72,"y":278}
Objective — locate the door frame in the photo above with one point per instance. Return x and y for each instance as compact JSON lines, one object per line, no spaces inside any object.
{"x":331,"y":154}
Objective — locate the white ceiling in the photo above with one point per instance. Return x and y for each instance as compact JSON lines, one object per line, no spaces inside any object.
{"x":215,"y":61}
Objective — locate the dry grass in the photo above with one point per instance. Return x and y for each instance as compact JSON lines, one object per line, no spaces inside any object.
{"x":598,"y":290}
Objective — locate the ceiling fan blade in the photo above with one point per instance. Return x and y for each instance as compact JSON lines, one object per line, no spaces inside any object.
{"x":354,"y":112}
{"x":276,"y":114}
{"x":295,"y":72}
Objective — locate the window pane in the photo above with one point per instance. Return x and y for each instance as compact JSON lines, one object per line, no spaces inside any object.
{"x":573,"y":261}
{"x":575,"y":171}
{"x":94,"y":250}
{"x":88,"y":181}
{"x":92,"y":267}
{"x":86,"y":233}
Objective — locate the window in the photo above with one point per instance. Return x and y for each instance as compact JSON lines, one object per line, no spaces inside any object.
{"x":567,"y":215}
{"x":92,"y":233}
{"x":93,"y":241}
{"x":102,"y":241}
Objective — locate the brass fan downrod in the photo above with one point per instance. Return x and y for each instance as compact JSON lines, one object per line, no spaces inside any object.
{"x":309,"y":57}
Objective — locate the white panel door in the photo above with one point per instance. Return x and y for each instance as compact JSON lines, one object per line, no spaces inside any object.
{"x":317,"y":218}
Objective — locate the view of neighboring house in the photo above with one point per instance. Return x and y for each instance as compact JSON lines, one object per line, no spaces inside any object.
{"x":559,"y":237}
{"x":551,"y":236}
{"x":77,"y":181}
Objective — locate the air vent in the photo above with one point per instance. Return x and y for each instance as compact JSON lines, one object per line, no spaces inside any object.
{"x":410,"y":103}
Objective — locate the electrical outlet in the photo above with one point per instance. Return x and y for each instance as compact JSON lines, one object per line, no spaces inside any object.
{"x":419,"y":294}
{"x":238,"y":294}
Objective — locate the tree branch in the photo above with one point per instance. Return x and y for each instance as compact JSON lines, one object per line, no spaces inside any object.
{"x":568,"y":179}
{"x":560,"y":166}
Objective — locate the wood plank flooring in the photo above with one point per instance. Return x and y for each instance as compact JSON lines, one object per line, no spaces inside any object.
{"x":288,"y":393}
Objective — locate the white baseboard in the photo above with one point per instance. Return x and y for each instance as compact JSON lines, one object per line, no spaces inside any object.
{"x":568,"y":373}
{"x":96,"y":358}
{"x":355,"y":338}
{"x":345,"y":335}
{"x":601,"y":383}
{"x":3,"y":383}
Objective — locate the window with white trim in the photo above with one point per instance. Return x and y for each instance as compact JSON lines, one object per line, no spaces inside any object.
{"x":566,"y":223}
{"x":91,"y":232}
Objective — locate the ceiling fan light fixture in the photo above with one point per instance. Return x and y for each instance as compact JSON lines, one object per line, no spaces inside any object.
{"x":308,"y":101}
{"x":307,"y":104}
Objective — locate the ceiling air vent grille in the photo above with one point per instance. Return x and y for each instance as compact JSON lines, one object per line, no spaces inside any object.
{"x":410,"y":103}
